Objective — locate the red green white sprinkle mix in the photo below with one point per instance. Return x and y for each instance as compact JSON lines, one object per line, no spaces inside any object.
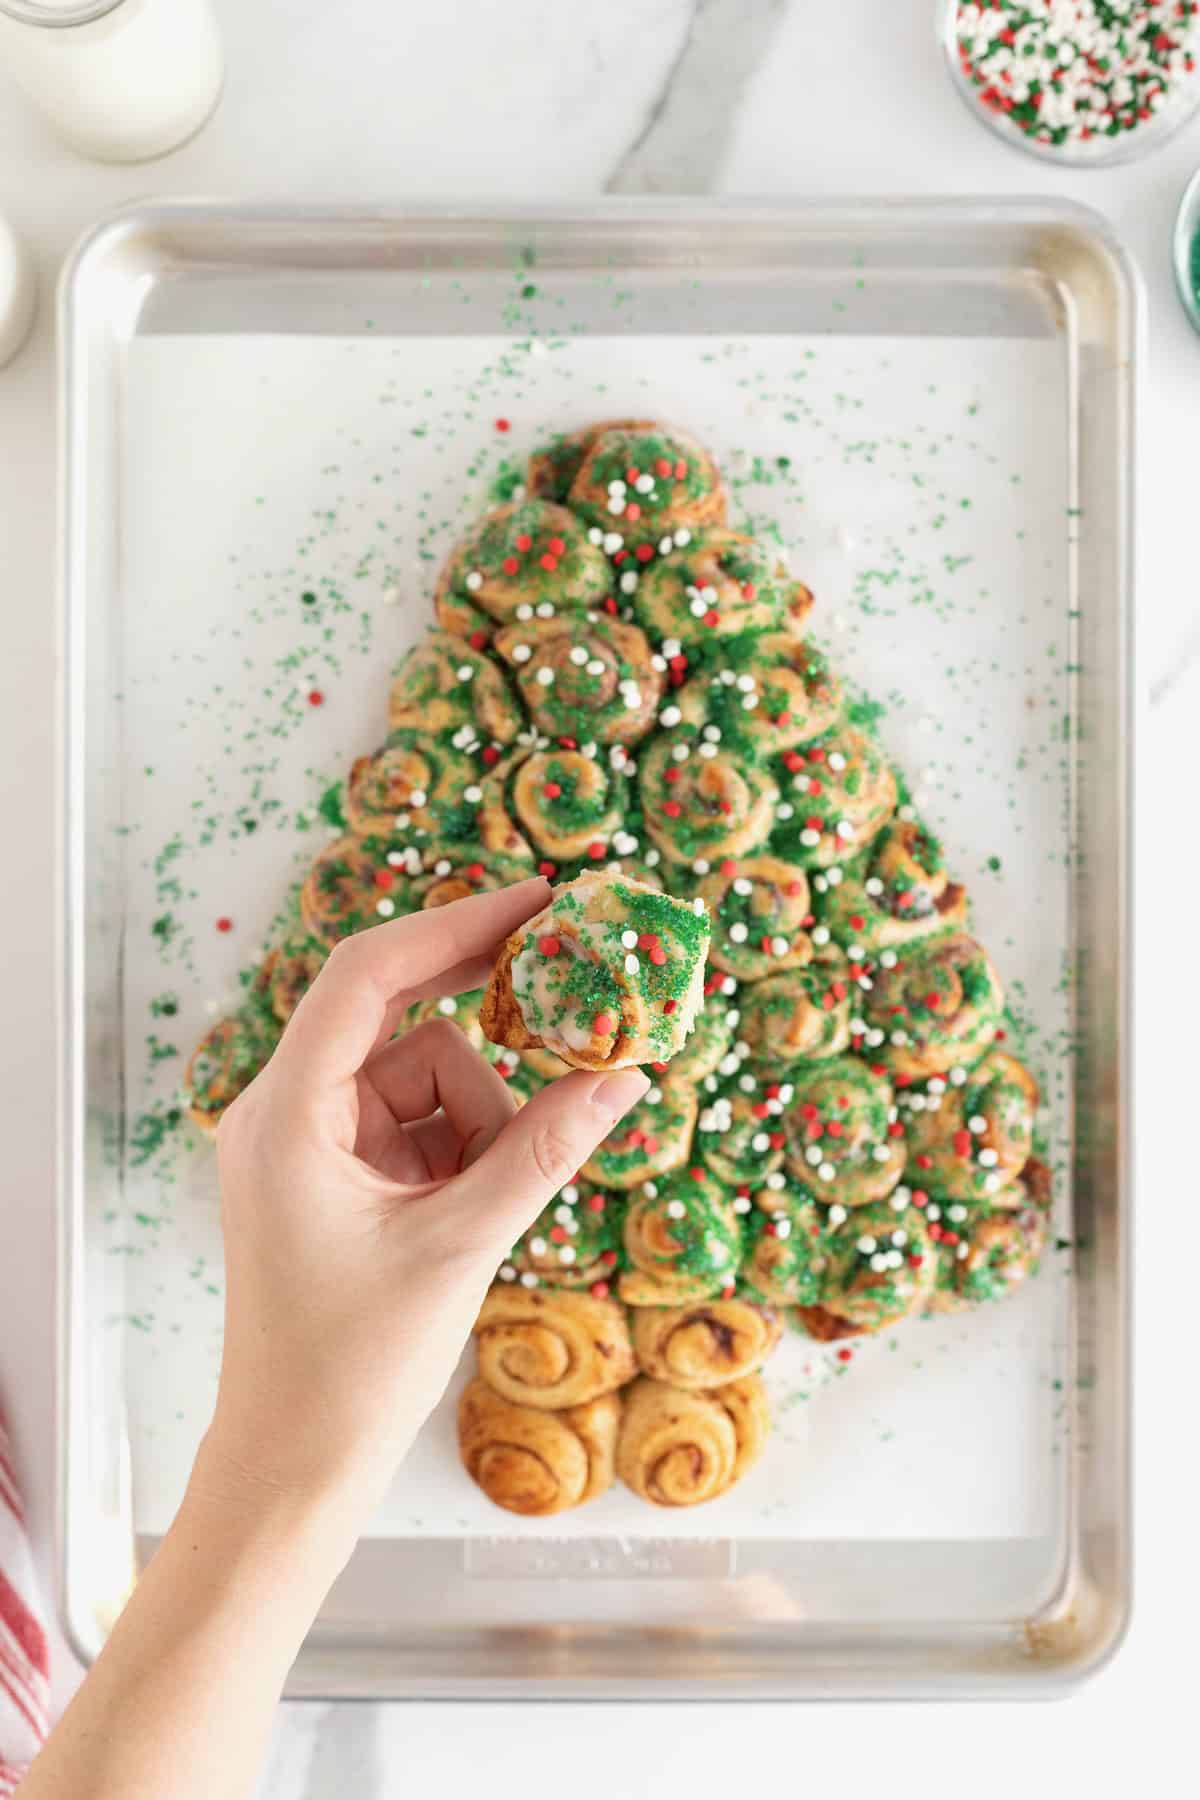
{"x":1074,"y":72}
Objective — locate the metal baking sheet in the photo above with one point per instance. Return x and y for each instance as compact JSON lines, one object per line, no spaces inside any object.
{"x":1000,"y":342}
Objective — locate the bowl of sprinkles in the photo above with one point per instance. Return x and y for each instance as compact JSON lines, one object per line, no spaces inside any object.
{"x":1086,"y":82}
{"x":1187,"y":250}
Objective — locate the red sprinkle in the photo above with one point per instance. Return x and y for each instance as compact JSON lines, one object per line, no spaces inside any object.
{"x":596,"y":851}
{"x":384,"y":878}
{"x":662,"y":467}
{"x":552,"y":790}
{"x":924,"y":1160}
{"x":728,"y":1291}
{"x":524,"y":542}
{"x":549,"y":945}
{"x":658,"y":956}
{"x":503,"y":425}
{"x":599,"y":1290}
{"x":748,"y":590}
{"x":224,"y":924}
{"x":557,"y":1234}
{"x":856,"y":921}
{"x":681,"y":470}
{"x":477,"y":641}
{"x":845,"y":1355}
{"x":696,"y":1174}
{"x":609,"y":1257}
{"x":491,"y":755}
{"x":633,"y":510}
{"x":315,"y":697}
{"x":712,"y":617}
{"x":604,"y":1024}
{"x":549,"y":563}
{"x":547,"y":869}
{"x":556,"y":546}
{"x":475,"y":871}
{"x":510,"y":565}
{"x":962,"y":1143}
{"x":672,"y":808}
{"x":644,"y":552}
{"x":920,"y":1197}
{"x":728,"y":867}
{"x":595,"y":1202}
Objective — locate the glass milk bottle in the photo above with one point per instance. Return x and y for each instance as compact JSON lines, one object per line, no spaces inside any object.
{"x":120,"y":80}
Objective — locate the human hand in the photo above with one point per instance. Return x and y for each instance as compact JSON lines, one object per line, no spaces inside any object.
{"x":369,"y":1189}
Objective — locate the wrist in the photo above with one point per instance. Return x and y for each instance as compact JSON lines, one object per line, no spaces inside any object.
{"x":250,"y":1508}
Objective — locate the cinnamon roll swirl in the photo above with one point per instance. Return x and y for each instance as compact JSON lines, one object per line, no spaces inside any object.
{"x":550,"y":1347}
{"x":680,"y":1446}
{"x":534,"y":1462}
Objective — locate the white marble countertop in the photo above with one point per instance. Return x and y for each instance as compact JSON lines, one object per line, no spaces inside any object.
{"x":373,"y":101}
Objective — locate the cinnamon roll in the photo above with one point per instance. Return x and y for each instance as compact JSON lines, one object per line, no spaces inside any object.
{"x":225,"y":1061}
{"x":767,"y":694}
{"x":449,"y":872}
{"x":704,"y":1344}
{"x":680,"y":1446}
{"x":709,"y":1044}
{"x":536,"y":1462}
{"x":741,"y":1134}
{"x":970,"y":1137}
{"x":721,"y":586}
{"x":880,"y":1266}
{"x":936,"y":1006}
{"x":682,"y":1241}
{"x":785,"y":1248}
{"x":803,"y":1014}
{"x":574,"y":1243}
{"x":353,"y":884}
{"x":292,"y":969}
{"x":568,"y":804}
{"x":836,"y":795}
{"x":525,"y":560}
{"x":551,"y":470}
{"x":551,"y":1347}
{"x":446,"y":688}
{"x":759,"y":909}
{"x":651,"y":1139}
{"x":983,"y":1254}
{"x":701,"y":804}
{"x":648,"y":488}
{"x":608,"y":975}
{"x":900,"y":894}
{"x":585,"y":678}
{"x":842,"y":1132}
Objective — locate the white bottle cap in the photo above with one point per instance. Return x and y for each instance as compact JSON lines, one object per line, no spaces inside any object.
{"x":18,"y":293}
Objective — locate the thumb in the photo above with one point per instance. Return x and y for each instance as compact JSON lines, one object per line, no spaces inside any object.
{"x":538,"y":1152}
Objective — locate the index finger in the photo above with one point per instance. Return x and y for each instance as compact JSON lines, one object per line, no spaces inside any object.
{"x":372,"y":977}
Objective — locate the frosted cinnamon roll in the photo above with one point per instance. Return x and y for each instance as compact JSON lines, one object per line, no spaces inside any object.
{"x":646,"y":488}
{"x":679,"y":1447}
{"x":722,"y":585}
{"x":784,"y":1248}
{"x":527,"y":559}
{"x":900,"y":894}
{"x":585,"y":678}
{"x":535,"y":1462}
{"x":567,"y":804}
{"x":984,"y":1254}
{"x":445,"y":688}
{"x":682,"y":1241}
{"x":575,"y":1242}
{"x":842,"y":1133}
{"x":651,"y":1139}
{"x":970,"y":1137}
{"x":880,"y":1266}
{"x":701,"y":803}
{"x":552,"y":1347}
{"x":840,"y":792}
{"x":351,"y":886}
{"x":704,"y":1344}
{"x":803,"y":1014}
{"x":551,"y":470}
{"x":759,"y":908}
{"x":608,"y":975}
{"x":937,"y":1005}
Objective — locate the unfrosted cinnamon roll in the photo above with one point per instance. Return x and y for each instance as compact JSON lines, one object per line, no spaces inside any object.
{"x":842,"y":1132}
{"x":568,"y":804}
{"x":678,"y":1446}
{"x":710,"y":1042}
{"x":585,"y":678}
{"x":969,"y":1139}
{"x":701,"y":803}
{"x":706,"y":1343}
{"x":449,"y":872}
{"x":551,"y":470}
{"x":682,"y":1241}
{"x":937,"y":1004}
{"x":722,"y":585}
{"x":880,"y":1266}
{"x":803,"y":1014}
{"x":764,"y":695}
{"x":741,"y":1128}
{"x":575,"y":1242}
{"x":225,"y":1061}
{"x":445,"y":688}
{"x":535,"y":1462}
{"x":527,"y":559}
{"x":353,"y":885}
{"x":647,"y":488}
{"x":983,"y":1254}
{"x":551,"y":1347}
{"x":608,"y":975}
{"x":900,"y":894}
{"x":292,"y":969}
{"x":785,"y":1248}
{"x":651,"y":1139}
{"x":759,"y":907}
{"x":841,"y":792}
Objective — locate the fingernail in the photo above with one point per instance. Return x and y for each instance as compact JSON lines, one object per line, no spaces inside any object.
{"x":615,"y":1094}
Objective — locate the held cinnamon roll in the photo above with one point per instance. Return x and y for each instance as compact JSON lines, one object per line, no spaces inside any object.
{"x":705,"y":1344}
{"x":721,"y":586}
{"x":842,"y":1132}
{"x":901,"y":894}
{"x":585,"y":678}
{"x":836,"y":795}
{"x":701,"y":804}
{"x":353,"y":884}
{"x":984,"y":1254}
{"x":551,"y":470}
{"x":445,"y":686}
{"x":574,"y":1243}
{"x":608,"y":975}
{"x":567,"y":803}
{"x":741,"y":1130}
{"x":937,"y":1006}
{"x":759,"y":909}
{"x":682,"y":1241}
{"x":646,"y":488}
{"x":881,"y":1265}
{"x":525,"y":560}
{"x":535,"y":1462}
{"x":970,"y":1134}
{"x":680,"y":1446}
{"x":651,"y":1139}
{"x":784,"y":1248}
{"x":803,"y":1014}
{"x":292,"y":969}
{"x":552,"y":1347}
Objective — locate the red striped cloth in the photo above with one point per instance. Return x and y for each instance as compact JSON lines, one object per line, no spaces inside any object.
{"x":24,"y":1663}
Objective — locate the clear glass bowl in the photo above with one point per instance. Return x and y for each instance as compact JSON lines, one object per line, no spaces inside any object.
{"x":1098,"y":152}
{"x":1186,"y":259}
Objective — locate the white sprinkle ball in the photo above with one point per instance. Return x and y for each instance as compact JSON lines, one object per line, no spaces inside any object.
{"x":676,"y":1209}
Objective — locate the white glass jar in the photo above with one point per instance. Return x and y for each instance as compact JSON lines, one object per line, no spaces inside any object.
{"x":120,"y":80}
